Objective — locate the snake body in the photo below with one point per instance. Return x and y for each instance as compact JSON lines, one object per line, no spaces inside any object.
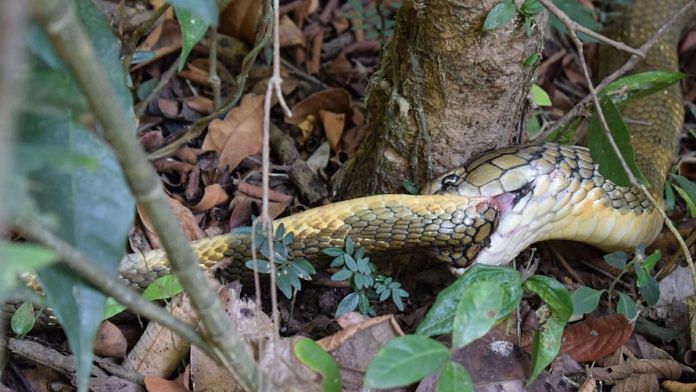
{"x":490,"y":209}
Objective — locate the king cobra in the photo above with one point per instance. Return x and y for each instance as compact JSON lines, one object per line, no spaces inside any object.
{"x":493,"y":207}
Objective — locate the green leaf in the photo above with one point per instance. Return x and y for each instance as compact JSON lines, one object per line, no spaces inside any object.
{"x":342,"y":274}
{"x":553,"y":293}
{"x":112,"y":308}
{"x":651,"y":260}
{"x":263,"y":266}
{"x":23,"y":319}
{"x":533,"y":126}
{"x":18,"y":258}
{"x":616,"y":259}
{"x":669,"y":196}
{"x":304,"y":268}
{"x":577,"y":13}
{"x":687,"y":191}
{"x":405,"y":360}
{"x":501,"y":14}
{"x":314,"y":357}
{"x":349,"y":246}
{"x":440,"y":317}
{"x":145,"y":88}
{"x":162,"y":288}
{"x":602,"y":152}
{"x":350,"y":263}
{"x":204,"y":9}
{"x":284,"y":284}
{"x":348,"y":304}
{"x":396,"y":298}
{"x":650,"y":291}
{"x":635,"y":86}
{"x":477,"y":312}
{"x":539,"y":96}
{"x":333,"y":252}
{"x":532,"y":59}
{"x":454,"y":378}
{"x":410,"y":187}
{"x":626,"y":306}
{"x":364,"y":304}
{"x":546,"y":344}
{"x":585,"y":300}
{"x":531,"y":7}
{"x":641,"y":274}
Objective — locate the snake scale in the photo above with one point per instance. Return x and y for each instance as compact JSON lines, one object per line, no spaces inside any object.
{"x":493,"y":207}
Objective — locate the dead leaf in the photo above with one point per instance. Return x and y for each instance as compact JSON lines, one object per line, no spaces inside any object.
{"x":195,"y":73}
{"x":239,"y":135}
{"x":213,"y":195}
{"x":168,"y":107}
{"x":663,"y":368}
{"x":290,"y":34}
{"x":257,"y":193}
{"x":241,"y":19}
{"x":200,"y":104}
{"x":335,"y":100}
{"x":110,"y":342}
{"x":164,"y":39}
{"x":184,"y":216}
{"x":333,"y":126}
{"x":595,"y":338}
{"x":351,"y":139}
{"x":158,"y":384}
{"x":110,"y":384}
{"x":319,"y":158}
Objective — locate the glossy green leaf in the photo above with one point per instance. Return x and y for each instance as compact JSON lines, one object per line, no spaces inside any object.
{"x":650,"y":261}
{"x":650,"y":291}
{"x":18,"y":258}
{"x":635,"y":86}
{"x":454,"y":378}
{"x":626,"y":306}
{"x":585,"y":300}
{"x":112,"y":308}
{"x":533,"y":126}
{"x":348,"y":304}
{"x":602,"y":152}
{"x":546,"y":344}
{"x":311,"y":354}
{"x":23,"y":319}
{"x":204,"y":9}
{"x":405,"y":360}
{"x":440,"y":317}
{"x":163,"y":287}
{"x":500,"y":15}
{"x":477,"y":312}
{"x":688,"y":191}
{"x":553,"y":293}
{"x":539,"y":96}
{"x":193,"y":28}
{"x":669,"y":196}
{"x":342,"y":274}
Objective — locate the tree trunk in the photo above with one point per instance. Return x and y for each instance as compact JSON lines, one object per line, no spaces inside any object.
{"x":445,"y":90}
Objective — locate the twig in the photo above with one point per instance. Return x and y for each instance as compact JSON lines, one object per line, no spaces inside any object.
{"x":140,"y":31}
{"x":581,"y":107}
{"x":13,"y":22}
{"x":166,"y":76}
{"x":199,"y":125}
{"x":95,"y":275}
{"x":60,"y":22}
{"x":605,"y":127}
{"x":214,"y":79}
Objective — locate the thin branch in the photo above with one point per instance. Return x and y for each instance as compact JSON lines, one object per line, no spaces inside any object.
{"x":140,"y":31}
{"x":65,"y":30}
{"x":605,"y":127}
{"x":581,"y":108}
{"x":92,"y":273}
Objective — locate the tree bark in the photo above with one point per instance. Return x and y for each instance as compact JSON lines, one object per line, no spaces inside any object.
{"x":445,"y":90}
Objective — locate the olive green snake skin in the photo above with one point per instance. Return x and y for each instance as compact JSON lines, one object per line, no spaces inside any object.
{"x":492,"y":208}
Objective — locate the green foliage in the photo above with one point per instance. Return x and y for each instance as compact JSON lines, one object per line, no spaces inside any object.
{"x":585,"y":300}
{"x":205,"y":10}
{"x":17,"y":259}
{"x":193,"y":28}
{"x":405,"y":360}
{"x":503,"y":12}
{"x":311,"y":354}
{"x":375,"y":21}
{"x":601,"y":150}
{"x":410,"y":188}
{"x":454,"y":378}
{"x":635,"y":86}
{"x":687,"y":191}
{"x":23,"y":319}
{"x":539,"y":96}
{"x":577,"y":13}
{"x":289,"y":270}
{"x":642,"y":266}
{"x":626,"y":306}
{"x":478,"y":310}
{"x":364,"y":279}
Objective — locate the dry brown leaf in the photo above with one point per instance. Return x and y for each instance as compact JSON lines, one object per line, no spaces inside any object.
{"x":184,"y":216}
{"x":333,"y":126}
{"x":290,"y":34}
{"x":638,"y":383}
{"x":195,"y":73}
{"x":662,"y":368}
{"x":335,"y":100}
{"x":595,"y":338}
{"x":239,"y":135}
{"x":242,"y":208}
{"x":350,"y":142}
{"x":257,"y":193}
{"x":168,"y":107}
{"x":164,"y":39}
{"x":241,"y":19}
{"x":200,"y":104}
{"x":158,"y":384}
{"x":110,"y":342}
{"x":110,"y":384}
{"x":213,"y":195}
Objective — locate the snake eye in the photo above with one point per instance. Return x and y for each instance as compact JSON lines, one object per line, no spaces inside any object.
{"x":449,"y":181}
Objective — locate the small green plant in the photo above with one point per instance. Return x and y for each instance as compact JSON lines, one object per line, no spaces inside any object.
{"x":468,"y":309}
{"x":367,"y":283}
{"x":375,"y":20}
{"x":289,"y":270}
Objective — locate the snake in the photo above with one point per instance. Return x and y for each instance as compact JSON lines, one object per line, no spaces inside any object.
{"x":497,"y":204}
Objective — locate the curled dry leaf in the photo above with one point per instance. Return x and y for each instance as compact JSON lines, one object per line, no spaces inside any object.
{"x":213,"y":195}
{"x":159,"y":384}
{"x":164,"y":39}
{"x":663,"y":368}
{"x":595,"y":338}
{"x":195,"y":73}
{"x":247,"y":196}
{"x":335,"y":100}
{"x":186,"y":220}
{"x":241,"y":19}
{"x":239,"y":135}
{"x":333,"y":126}
{"x":110,"y":342}
{"x":290,"y":34}
{"x":200,"y":104}
{"x":168,"y":107}
{"x":257,"y":193}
